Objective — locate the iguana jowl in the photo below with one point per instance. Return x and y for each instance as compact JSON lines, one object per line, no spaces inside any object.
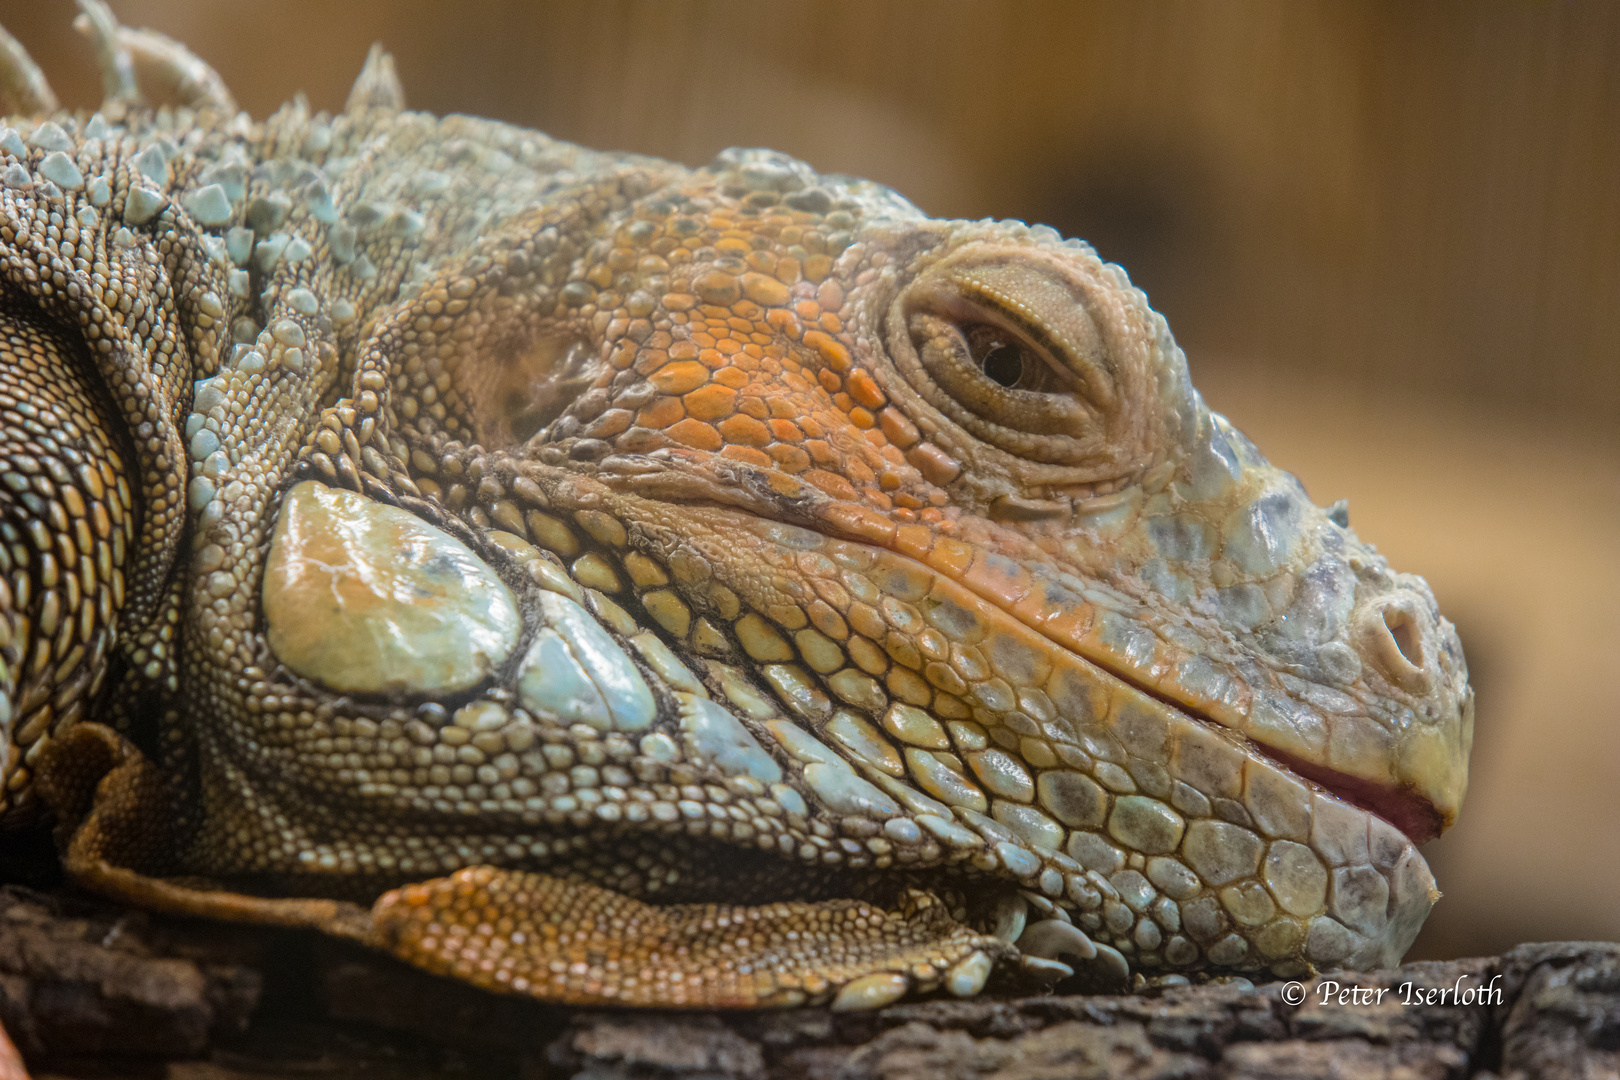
{"x":617,"y":582}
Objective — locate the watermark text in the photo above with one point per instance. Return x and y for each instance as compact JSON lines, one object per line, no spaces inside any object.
{"x":1334,"y":992}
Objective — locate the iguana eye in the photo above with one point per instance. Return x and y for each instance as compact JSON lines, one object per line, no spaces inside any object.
{"x":1008,"y":362}
{"x":1010,"y":351}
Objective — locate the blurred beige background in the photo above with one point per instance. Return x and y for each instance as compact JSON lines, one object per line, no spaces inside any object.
{"x":1387,"y":234}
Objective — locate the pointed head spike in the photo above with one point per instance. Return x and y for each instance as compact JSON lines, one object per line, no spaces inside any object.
{"x":378,"y":86}
{"x":96,"y":21}
{"x":171,"y":73}
{"x":23,"y":89}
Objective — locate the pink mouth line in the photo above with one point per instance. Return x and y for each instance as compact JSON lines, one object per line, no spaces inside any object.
{"x":1407,"y":811}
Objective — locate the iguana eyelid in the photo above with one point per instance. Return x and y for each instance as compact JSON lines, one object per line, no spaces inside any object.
{"x":1050,"y":315}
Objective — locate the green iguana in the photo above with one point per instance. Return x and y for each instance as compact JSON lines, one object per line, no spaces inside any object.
{"x":614,"y":582}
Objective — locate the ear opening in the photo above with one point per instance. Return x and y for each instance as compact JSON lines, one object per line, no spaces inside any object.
{"x":514,"y":393}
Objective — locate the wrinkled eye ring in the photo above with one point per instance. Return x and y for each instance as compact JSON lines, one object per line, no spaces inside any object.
{"x":1010,"y":353}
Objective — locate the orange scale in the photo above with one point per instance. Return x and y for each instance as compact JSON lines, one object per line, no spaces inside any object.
{"x":747,"y":360}
{"x":745,"y":430}
{"x":864,"y":389}
{"x":650,"y":360}
{"x":808,"y":310}
{"x":784,"y":322}
{"x":831,"y":483}
{"x":696,"y":434}
{"x":728,"y":346}
{"x":703,"y":339}
{"x":907,"y":500}
{"x":812,"y":427}
{"x":732,"y":243}
{"x":889,"y":480}
{"x":660,"y":413}
{"x":679,"y":376}
{"x":753,"y":405}
{"x":932,"y":515}
{"x":821,"y":452}
{"x":830,"y":322}
{"x":901,"y":431}
{"x":861,"y":521}
{"x":710,"y":402}
{"x":683,"y":350}
{"x":877,"y":498}
{"x":874,"y":439}
{"x":953,"y":557}
{"x":731,"y":376}
{"x":862,"y":419}
{"x":748,"y":454}
{"x":715,"y":314}
{"x":785,"y":485}
{"x":755,"y":348}
{"x":859,"y":472}
{"x":787,"y":270}
{"x":791,"y":458}
{"x":712,"y":358}
{"x":830,"y":382}
{"x":831,"y":350}
{"x":786,"y":430}
{"x":743,"y":315}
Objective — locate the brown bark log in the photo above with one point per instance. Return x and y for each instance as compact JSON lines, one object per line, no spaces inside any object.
{"x":90,"y":989}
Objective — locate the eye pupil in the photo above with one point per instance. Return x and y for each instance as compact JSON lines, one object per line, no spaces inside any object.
{"x":1004,"y":363}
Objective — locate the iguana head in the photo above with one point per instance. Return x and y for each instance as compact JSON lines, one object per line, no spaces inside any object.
{"x":937,"y":500}
{"x":576,"y":513}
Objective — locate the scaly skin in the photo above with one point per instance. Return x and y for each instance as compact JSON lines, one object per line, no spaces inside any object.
{"x":388,"y":497}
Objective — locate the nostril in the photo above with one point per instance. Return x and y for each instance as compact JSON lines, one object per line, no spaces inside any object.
{"x":1392,"y":638}
{"x":1408,"y":639}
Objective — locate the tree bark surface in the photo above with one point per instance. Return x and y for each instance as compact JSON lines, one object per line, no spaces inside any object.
{"x":89,"y":989}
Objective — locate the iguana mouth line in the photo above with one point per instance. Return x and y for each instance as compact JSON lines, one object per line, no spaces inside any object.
{"x":1407,"y":811}
{"x":1411,"y":813}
